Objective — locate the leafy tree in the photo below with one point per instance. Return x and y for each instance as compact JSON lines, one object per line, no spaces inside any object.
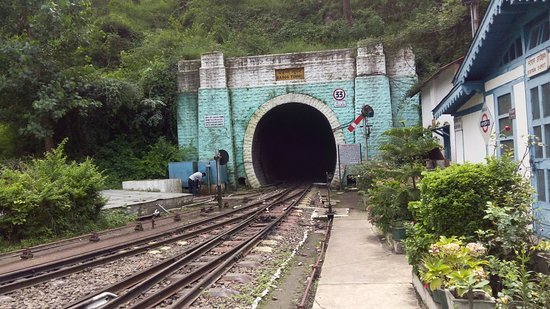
{"x":45,"y":69}
{"x":122,"y":159}
{"x":99,"y":70}
{"x":407,"y":148}
{"x":391,"y":182}
{"x":7,"y":138}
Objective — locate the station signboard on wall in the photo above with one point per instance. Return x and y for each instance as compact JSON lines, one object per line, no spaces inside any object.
{"x":349,"y":154}
{"x":537,"y":63}
{"x":214,"y":121}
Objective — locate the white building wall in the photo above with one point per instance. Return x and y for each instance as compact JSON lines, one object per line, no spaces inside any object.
{"x":504,"y":78}
{"x":431,"y":94}
{"x":469,"y":143}
{"x":458,"y":143}
{"x":467,"y":140}
{"x":522,"y":128}
{"x":475,"y":150}
{"x":426,"y":101}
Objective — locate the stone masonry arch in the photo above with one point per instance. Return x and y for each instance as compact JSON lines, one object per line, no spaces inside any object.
{"x":223,"y":102}
{"x":253,"y":179}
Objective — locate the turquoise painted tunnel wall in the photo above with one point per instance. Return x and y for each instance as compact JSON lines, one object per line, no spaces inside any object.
{"x":219,"y":98}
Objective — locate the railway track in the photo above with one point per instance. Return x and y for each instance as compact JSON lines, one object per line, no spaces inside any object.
{"x":189,"y":263}
{"x":187,"y":271}
{"x":209,"y":247}
{"x":39,"y":273}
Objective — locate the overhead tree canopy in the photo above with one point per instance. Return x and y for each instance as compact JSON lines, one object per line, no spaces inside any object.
{"x":95,"y":70}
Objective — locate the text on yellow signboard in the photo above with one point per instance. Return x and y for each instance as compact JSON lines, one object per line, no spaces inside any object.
{"x":289,"y":74}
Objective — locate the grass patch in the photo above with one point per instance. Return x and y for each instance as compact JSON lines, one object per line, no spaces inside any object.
{"x":108,"y":219}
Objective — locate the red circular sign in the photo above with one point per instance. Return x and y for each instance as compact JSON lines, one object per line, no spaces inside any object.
{"x":485,"y":123}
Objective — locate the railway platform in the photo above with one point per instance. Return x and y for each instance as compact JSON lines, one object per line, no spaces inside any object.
{"x":143,"y":202}
{"x":360,"y":271}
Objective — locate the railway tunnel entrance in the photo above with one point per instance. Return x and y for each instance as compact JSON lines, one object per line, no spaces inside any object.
{"x":293,"y":142}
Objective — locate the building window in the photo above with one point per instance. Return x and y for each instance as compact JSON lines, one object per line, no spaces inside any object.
{"x":540,"y":113}
{"x":505,"y":124}
{"x":539,"y":32}
{"x":539,"y":176}
{"x":538,"y":105}
{"x":513,"y":52}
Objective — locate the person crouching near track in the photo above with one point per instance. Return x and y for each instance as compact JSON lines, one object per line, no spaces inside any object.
{"x":195,"y":181}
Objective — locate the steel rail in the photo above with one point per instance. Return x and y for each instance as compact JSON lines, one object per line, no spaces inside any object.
{"x":19,"y":279}
{"x":180,"y":259}
{"x":173,"y":267}
{"x":213,"y":276}
{"x":316,"y":269}
{"x":190,"y":208}
{"x":219,"y":264}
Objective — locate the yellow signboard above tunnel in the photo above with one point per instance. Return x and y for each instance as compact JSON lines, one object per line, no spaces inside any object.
{"x":289,"y":74}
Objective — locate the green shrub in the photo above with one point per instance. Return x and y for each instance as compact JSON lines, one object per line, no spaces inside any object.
{"x":520,"y":287}
{"x":417,"y":243}
{"x":391,"y":181}
{"x":48,"y":196}
{"x":454,"y":200}
{"x":388,"y":203}
{"x":154,"y":161}
{"x":369,"y":172}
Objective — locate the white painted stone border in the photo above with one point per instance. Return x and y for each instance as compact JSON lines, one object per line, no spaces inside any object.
{"x":266,"y":107}
{"x":277,"y":275}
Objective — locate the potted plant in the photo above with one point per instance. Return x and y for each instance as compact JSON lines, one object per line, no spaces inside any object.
{"x":398,"y":230}
{"x":435,"y":276}
{"x":451,"y":265}
{"x":471,"y":288}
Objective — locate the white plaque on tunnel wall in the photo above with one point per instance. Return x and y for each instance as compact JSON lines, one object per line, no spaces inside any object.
{"x":349,"y":153}
{"x":214,"y":121}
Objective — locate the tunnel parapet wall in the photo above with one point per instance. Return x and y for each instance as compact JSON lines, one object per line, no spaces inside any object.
{"x":218,"y":96}
{"x":371,"y":60}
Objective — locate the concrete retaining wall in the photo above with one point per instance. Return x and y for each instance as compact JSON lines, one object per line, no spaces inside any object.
{"x":154,"y":185}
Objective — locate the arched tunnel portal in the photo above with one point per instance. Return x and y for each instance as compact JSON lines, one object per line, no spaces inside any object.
{"x":291,"y":141}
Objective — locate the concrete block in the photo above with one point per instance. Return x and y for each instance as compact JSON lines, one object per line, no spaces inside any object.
{"x":155,"y":185}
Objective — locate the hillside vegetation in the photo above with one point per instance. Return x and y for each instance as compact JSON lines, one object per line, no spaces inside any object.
{"x":103,"y":73}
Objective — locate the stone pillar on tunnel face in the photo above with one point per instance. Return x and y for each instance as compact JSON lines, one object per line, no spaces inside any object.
{"x":215,"y":126}
{"x":188,"y":85}
{"x":402,"y":72}
{"x":372,"y":87}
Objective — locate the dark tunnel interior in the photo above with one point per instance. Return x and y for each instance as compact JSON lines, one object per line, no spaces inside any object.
{"x":293,"y":143}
